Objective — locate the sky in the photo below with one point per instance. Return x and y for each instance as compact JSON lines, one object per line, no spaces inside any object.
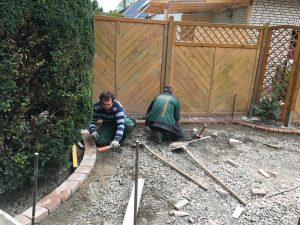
{"x":108,"y":4}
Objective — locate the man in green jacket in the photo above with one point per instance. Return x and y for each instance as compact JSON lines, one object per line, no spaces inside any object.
{"x":163,"y":116}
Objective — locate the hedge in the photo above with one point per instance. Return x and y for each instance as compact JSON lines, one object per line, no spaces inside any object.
{"x":46,"y":57}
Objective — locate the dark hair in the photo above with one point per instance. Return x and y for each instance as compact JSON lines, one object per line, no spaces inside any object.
{"x":106,"y":95}
{"x":168,"y":89}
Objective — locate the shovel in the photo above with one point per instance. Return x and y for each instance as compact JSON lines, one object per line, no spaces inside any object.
{"x":182,"y":145}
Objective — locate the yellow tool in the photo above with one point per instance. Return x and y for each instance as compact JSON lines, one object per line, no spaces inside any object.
{"x":74,"y":156}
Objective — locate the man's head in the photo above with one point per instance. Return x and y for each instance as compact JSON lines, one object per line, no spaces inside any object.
{"x":106,"y":99}
{"x":168,"y":89}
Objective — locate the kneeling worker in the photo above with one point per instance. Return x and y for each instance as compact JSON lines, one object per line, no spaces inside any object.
{"x":115,"y":124}
{"x":163,"y":116}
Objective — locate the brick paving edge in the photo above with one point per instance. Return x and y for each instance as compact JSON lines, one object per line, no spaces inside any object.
{"x":63,"y":192}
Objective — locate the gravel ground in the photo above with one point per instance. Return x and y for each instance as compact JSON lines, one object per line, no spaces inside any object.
{"x":104,"y":196}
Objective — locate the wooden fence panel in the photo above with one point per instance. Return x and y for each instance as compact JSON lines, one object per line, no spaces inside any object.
{"x":191,"y":78}
{"x":140,"y":55}
{"x":233,"y":74}
{"x":296,"y":117}
{"x":105,"y":57}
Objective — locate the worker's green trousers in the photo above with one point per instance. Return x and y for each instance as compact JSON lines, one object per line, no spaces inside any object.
{"x":107,"y":131}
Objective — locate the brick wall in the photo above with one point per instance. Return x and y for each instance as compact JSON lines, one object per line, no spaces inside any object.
{"x":236,"y":16}
{"x":277,"y":12}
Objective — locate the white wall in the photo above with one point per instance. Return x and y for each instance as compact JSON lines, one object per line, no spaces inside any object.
{"x":277,"y":12}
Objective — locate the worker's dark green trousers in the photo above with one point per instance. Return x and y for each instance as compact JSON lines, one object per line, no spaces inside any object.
{"x":108,"y":130}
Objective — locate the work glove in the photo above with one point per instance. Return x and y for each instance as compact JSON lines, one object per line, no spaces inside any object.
{"x":95,"y":135}
{"x":114,"y":144}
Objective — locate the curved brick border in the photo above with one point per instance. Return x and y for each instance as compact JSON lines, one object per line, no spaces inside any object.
{"x":52,"y":201}
{"x":62,"y":193}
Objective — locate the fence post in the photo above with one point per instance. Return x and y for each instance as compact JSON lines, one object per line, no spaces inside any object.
{"x":259,"y":76}
{"x":117,"y":58}
{"x":293,"y":88}
{"x":169,"y":50}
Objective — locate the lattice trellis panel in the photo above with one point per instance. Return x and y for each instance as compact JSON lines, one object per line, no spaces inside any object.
{"x":218,"y":35}
{"x":279,"y":62}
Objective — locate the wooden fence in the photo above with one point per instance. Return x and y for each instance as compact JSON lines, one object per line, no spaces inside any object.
{"x":215,"y":69}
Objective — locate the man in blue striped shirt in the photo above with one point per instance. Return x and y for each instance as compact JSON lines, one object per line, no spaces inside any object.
{"x":115,"y":124}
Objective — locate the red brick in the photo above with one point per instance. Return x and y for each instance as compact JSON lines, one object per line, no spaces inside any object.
{"x":297,"y":132}
{"x":140,"y":122}
{"x":77,"y":177}
{"x":50,"y":202}
{"x":63,"y":192}
{"x":285,"y":131}
{"x":273,"y":129}
{"x":261,"y":127}
{"x":237,"y":122}
{"x":249,"y":125}
{"x":84,"y":169}
{"x":88,"y":162}
{"x":24,"y":220}
{"x":40,"y":213}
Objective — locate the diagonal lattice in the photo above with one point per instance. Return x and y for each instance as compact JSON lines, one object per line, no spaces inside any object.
{"x":217,"y":35}
{"x":279,"y":63}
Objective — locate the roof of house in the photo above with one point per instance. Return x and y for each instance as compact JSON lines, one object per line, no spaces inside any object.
{"x":134,"y":10}
{"x":184,"y":6}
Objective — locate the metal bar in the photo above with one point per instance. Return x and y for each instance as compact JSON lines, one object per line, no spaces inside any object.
{"x":233,"y":106}
{"x":242,"y":201}
{"x":175,"y":168}
{"x":281,"y":192}
{"x":36,"y":165}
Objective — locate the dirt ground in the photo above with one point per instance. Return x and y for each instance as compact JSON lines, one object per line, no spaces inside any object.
{"x":103,"y":198}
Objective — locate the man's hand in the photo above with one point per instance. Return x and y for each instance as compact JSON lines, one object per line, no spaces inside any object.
{"x":95,"y":135}
{"x":114,"y":144}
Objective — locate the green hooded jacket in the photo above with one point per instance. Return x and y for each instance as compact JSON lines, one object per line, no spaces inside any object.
{"x":164,"y":113}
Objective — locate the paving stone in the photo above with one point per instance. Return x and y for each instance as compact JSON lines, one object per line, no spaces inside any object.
{"x":180,"y":213}
{"x":40,"y":213}
{"x":237,"y":212}
{"x":222,"y":192}
{"x":171,"y":212}
{"x":273,"y":129}
{"x":234,"y":141}
{"x":181,"y":204}
{"x":285,"y":131}
{"x":260,"y":127}
{"x":264,"y":173}
{"x":273,"y":174}
{"x":24,"y":220}
{"x":258,"y":191}
{"x":50,"y":202}
{"x":77,"y":177}
{"x":88,"y":162}
{"x":231,"y":162}
{"x":84,"y":169}
{"x":63,"y":192}
{"x":191,"y":220}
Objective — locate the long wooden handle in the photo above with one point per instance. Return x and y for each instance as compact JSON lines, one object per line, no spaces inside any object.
{"x":175,"y":168}
{"x":105,"y":148}
{"x":216,"y":178}
{"x":189,"y":142}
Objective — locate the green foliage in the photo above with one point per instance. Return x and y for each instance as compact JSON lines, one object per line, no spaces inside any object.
{"x":96,"y":9}
{"x":268,"y":109}
{"x":46,"y":57}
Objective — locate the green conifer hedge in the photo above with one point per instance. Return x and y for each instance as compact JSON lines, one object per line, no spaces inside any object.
{"x":46,"y":57}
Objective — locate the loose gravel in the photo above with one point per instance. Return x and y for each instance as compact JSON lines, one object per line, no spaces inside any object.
{"x":104,"y":196}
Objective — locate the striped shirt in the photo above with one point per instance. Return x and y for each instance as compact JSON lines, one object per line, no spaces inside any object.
{"x":116,"y":114}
